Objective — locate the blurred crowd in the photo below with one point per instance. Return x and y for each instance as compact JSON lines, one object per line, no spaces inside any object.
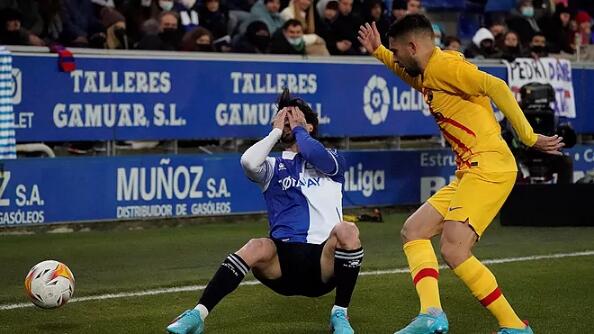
{"x":507,"y":28}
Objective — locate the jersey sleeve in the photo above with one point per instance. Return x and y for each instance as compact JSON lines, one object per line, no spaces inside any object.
{"x":315,"y":153}
{"x":255,"y":162}
{"x":385,"y":56}
{"x":463,"y":78}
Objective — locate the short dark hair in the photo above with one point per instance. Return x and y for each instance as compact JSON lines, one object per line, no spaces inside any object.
{"x":292,"y":23}
{"x":410,"y":23}
{"x":311,"y":117}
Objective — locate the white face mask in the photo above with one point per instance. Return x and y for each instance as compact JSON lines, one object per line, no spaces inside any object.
{"x":188,"y":3}
{"x":166,"y":5}
{"x":295,"y":41}
{"x":528,"y":11}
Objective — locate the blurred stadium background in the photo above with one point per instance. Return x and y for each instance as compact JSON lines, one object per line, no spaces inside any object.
{"x":122,"y":123}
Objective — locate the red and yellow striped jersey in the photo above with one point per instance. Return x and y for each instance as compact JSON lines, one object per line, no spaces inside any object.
{"x":458,"y":95}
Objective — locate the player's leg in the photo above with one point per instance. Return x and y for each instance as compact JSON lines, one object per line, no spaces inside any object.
{"x":416,"y":236}
{"x":461,"y":230}
{"x":416,"y":233}
{"x":341,"y":261}
{"x":259,"y":254}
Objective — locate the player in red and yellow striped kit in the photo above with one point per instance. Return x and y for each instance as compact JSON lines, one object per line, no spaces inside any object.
{"x":459,"y":97}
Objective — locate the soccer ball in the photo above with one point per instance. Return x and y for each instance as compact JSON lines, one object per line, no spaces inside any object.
{"x":49,"y":284}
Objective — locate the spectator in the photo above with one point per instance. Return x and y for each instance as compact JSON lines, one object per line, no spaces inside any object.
{"x":584,"y":28}
{"x":498,"y":29}
{"x":115,"y":25}
{"x":522,"y":21}
{"x":266,"y":11}
{"x":400,"y":8}
{"x":166,"y":38}
{"x":188,"y":12}
{"x":11,"y":30}
{"x":374,"y":12}
{"x":538,"y":46}
{"x":303,"y":11}
{"x":483,"y":45}
{"x":452,"y":43}
{"x":497,"y":10}
{"x":557,"y":30}
{"x":346,"y":27}
{"x":52,"y":20}
{"x":326,"y":28}
{"x":214,"y":17}
{"x":199,"y":39}
{"x":255,"y":40}
{"x":138,"y":12}
{"x":289,"y":39}
{"x":511,"y":48}
{"x":79,"y":22}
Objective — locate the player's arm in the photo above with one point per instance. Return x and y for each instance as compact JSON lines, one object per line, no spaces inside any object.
{"x":463,"y":78}
{"x":254,"y":160}
{"x":312,"y":150}
{"x":370,"y":38}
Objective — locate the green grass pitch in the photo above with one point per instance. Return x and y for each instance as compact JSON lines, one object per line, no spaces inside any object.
{"x":555,"y":295}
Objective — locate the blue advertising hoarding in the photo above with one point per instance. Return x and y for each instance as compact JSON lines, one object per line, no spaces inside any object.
{"x":109,"y":98}
{"x":37,"y":191}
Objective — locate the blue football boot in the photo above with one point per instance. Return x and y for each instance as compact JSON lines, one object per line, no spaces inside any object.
{"x":432,"y":322}
{"x":188,"y":322}
{"x":339,"y":323}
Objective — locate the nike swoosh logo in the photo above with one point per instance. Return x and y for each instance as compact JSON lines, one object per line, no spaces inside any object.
{"x":455,"y":208}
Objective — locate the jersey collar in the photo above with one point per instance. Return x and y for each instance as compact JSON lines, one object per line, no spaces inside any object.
{"x":289,"y":155}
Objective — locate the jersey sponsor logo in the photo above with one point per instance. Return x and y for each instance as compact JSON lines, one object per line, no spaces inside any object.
{"x":281,"y":166}
{"x":376,"y":100}
{"x":290,"y":182}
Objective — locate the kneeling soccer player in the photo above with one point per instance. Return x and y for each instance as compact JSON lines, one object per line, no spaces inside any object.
{"x":310,"y":250}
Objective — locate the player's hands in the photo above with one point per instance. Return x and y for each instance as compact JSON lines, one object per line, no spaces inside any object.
{"x":279,"y":119}
{"x":369,"y":37}
{"x":296,"y":118}
{"x":549,"y":145}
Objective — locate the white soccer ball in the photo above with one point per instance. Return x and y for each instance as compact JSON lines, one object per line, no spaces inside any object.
{"x":49,"y":284}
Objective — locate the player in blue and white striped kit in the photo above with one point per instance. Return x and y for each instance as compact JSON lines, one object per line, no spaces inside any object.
{"x":310,"y":250}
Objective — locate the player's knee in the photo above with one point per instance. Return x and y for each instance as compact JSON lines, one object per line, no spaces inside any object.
{"x":347,"y":235}
{"x":255,"y":250}
{"x":409,"y":231}
{"x":453,"y":254}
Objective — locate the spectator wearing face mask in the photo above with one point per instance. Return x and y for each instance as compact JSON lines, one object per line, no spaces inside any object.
{"x":255,"y":40}
{"x":452,"y":43}
{"x":557,"y":30}
{"x":167,"y":35}
{"x":289,"y":39}
{"x":483,"y":45}
{"x":199,"y":39}
{"x":522,"y":21}
{"x":303,"y":11}
{"x":115,"y":25}
{"x":511,"y":48}
{"x":537,"y":48}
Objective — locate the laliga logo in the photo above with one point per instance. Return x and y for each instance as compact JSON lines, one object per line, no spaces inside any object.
{"x":376,"y":100}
